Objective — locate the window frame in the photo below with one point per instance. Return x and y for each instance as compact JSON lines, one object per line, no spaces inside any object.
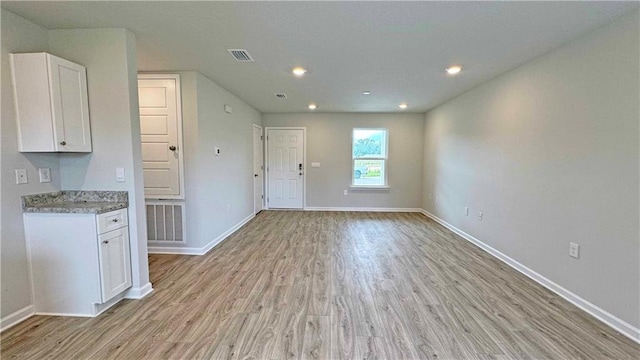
{"x":385,"y":160}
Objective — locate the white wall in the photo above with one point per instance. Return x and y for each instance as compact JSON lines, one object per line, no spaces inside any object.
{"x":18,"y":35}
{"x":218,"y":189}
{"x":329,"y":142}
{"x":109,"y":56}
{"x":549,"y":153}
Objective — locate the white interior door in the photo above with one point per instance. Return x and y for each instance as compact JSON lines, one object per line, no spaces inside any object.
{"x":160,"y":127}
{"x":258,"y":183}
{"x":285,"y":169}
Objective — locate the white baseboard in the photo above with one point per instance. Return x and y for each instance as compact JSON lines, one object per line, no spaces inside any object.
{"x":138,"y":293}
{"x":203,"y":250}
{"x":16,"y":317}
{"x":614,"y":322}
{"x":64,"y":314}
{"x":226,"y":234}
{"x":363,"y":209}
{"x":174,"y":250}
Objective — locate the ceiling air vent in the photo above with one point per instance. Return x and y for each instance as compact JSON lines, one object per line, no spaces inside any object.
{"x":280,"y":95}
{"x":240,"y":55}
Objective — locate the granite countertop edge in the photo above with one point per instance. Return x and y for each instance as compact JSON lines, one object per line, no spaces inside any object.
{"x":77,"y":208}
{"x":75,"y":202}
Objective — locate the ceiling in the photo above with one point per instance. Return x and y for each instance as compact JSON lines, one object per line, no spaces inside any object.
{"x":396,"y":50}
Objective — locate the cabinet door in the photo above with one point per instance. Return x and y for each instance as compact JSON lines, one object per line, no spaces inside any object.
{"x":115,"y":263}
{"x":68,"y":83}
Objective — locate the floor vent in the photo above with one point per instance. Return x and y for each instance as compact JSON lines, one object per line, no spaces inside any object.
{"x":240,"y":55}
{"x":165,"y":222}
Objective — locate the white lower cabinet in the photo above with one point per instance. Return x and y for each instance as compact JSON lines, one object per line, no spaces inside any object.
{"x":80,"y":263}
{"x":115,"y":264}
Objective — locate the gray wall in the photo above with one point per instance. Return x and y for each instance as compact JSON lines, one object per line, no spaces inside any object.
{"x":18,"y":35}
{"x":549,"y":153}
{"x":218,"y":189}
{"x":109,"y":56}
{"x":329,"y":142}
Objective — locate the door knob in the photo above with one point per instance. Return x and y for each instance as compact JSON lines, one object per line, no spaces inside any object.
{"x":255,"y":175}
{"x":172,"y":148}
{"x":63,"y":143}
{"x":105,"y":242}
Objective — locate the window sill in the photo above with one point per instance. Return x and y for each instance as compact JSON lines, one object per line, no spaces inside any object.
{"x":369,"y":188}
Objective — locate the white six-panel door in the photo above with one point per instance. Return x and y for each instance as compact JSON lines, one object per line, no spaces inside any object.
{"x":285,"y":171}
{"x":160,"y":127}
{"x":258,"y":183}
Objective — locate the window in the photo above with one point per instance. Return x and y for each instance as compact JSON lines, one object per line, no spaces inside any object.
{"x":370,"y":155}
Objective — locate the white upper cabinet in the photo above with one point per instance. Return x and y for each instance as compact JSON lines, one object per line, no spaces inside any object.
{"x":52,"y":105}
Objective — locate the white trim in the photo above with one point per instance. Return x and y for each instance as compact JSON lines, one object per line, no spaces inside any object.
{"x":139,"y":292}
{"x":16,"y":317}
{"x":256,"y":126}
{"x":304,"y":160}
{"x":64,"y":314}
{"x":174,"y":250}
{"x":226,"y":234}
{"x":176,"y":78}
{"x":363,"y":209}
{"x":369,"y":188}
{"x":203,"y":250}
{"x":614,"y":322}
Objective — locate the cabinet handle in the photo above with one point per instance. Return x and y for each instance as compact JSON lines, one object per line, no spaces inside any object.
{"x":105,"y":242}
{"x":172,"y":148}
{"x":63,"y":143}
{"x":115,"y":220}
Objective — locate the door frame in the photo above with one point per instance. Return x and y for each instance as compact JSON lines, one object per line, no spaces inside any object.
{"x":304,"y":160}
{"x":176,"y":77}
{"x":262,"y":140}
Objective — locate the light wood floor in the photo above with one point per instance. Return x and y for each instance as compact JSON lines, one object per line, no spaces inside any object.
{"x":330,"y":286}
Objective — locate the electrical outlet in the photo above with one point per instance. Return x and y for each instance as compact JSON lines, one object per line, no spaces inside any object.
{"x":45,"y":175}
{"x":574,"y":250}
{"x":480,"y":216}
{"x":466,"y":211}
{"x":346,"y":192}
{"x":21,"y":176}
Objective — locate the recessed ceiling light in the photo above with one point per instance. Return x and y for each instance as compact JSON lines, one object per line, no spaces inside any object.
{"x":299,"y":71}
{"x":312,"y":106}
{"x":454,"y":69}
{"x":366,"y":92}
{"x":403,"y":106}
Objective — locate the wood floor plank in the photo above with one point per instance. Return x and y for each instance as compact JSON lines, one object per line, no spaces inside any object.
{"x":330,"y":285}
{"x":317,"y":338}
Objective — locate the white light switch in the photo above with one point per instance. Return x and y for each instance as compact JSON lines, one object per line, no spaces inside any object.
{"x":315,"y":164}
{"x":120,"y":174}
{"x":21,"y":176}
{"x":45,"y":175}
{"x":228,"y":109}
{"x":574,"y":250}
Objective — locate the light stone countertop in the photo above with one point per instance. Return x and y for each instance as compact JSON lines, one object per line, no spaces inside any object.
{"x":75,"y":202}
